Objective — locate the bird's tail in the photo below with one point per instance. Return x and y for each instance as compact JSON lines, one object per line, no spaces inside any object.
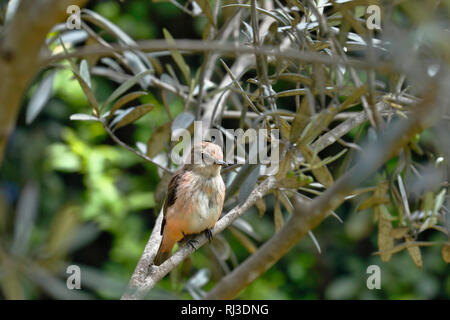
{"x":164,"y":250}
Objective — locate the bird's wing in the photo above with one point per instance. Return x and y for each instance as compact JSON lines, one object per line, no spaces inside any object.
{"x":171,"y":194}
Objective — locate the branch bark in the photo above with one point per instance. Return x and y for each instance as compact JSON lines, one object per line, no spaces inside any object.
{"x":309,"y":215}
{"x":147,"y":275}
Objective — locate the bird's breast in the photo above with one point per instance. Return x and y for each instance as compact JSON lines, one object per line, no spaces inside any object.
{"x":201,"y":203}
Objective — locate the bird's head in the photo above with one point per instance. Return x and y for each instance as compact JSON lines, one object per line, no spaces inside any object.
{"x":206,"y":158}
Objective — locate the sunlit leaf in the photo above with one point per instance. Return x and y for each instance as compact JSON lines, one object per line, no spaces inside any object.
{"x":414,"y":253}
{"x":206,"y":8}
{"x":179,"y":60}
{"x":159,"y":140}
{"x":125,"y":86}
{"x":124,"y":100}
{"x":83,"y":117}
{"x":134,"y":114}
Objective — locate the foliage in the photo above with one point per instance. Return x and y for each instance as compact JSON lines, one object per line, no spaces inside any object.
{"x":310,"y":69}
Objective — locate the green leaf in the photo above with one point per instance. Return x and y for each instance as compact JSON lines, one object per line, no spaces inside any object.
{"x":84,"y":72}
{"x":125,"y":86}
{"x":206,"y":8}
{"x":183,"y":121}
{"x":320,"y":171}
{"x":159,"y":139}
{"x":248,"y":185}
{"x":88,"y":92}
{"x":179,"y":60}
{"x":40,"y":98}
{"x":134,"y":114}
{"x":278,"y":216}
{"x":124,"y":100}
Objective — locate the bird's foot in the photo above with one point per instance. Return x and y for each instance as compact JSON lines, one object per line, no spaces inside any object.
{"x":191,"y":243}
{"x":208,"y":234}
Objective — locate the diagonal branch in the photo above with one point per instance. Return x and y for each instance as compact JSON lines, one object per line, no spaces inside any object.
{"x":309,"y":215}
{"x":146,"y":276}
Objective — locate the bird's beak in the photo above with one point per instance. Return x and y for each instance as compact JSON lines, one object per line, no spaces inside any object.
{"x":221,"y":163}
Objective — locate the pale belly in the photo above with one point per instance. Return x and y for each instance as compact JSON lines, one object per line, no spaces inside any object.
{"x":196,"y":209}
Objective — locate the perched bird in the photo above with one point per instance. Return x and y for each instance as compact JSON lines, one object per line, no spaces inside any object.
{"x":194,"y":199}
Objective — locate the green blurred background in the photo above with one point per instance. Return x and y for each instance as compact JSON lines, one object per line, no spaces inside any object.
{"x":85,"y":188}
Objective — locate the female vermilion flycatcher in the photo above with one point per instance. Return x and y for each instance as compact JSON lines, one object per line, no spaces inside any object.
{"x":194,"y":199}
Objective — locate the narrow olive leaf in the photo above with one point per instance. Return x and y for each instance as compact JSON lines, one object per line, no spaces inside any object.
{"x":277,"y":216}
{"x":62,"y":231}
{"x":404,"y":196}
{"x":84,"y":72}
{"x":293,"y":77}
{"x":439,"y":201}
{"x":261,"y":206}
{"x":405,"y":245}
{"x":321,"y":173}
{"x":107,"y":25}
{"x":135,"y":114}
{"x":260,"y":10}
{"x":249,"y":184}
{"x":88,"y":92}
{"x":317,"y":125}
{"x":246,"y":228}
{"x":314,"y":240}
{"x":206,"y":8}
{"x":40,"y":98}
{"x":414,"y":253}
{"x":11,"y":10}
{"x":372,"y":202}
{"x":285,"y":165}
{"x":125,"y":86}
{"x":243,"y":239}
{"x":385,"y":240}
{"x":25,"y":218}
{"x":83,"y":117}
{"x":301,"y":120}
{"x":285,"y":128}
{"x":239,"y":87}
{"x":124,"y":100}
{"x":179,"y":60}
{"x":295,"y":182}
{"x":400,"y":232}
{"x":159,"y":140}
{"x":353,"y":98}
{"x":183,"y":121}
{"x":221,"y":246}
{"x":446,"y":252}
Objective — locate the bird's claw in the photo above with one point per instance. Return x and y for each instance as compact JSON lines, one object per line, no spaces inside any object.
{"x":208,"y":234}
{"x":191,"y":243}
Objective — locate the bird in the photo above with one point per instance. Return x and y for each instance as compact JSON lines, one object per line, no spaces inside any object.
{"x":194,"y":200}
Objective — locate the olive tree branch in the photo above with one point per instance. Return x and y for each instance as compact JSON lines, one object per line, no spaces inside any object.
{"x":131,"y":149}
{"x":308,"y":215}
{"x":146,"y":275}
